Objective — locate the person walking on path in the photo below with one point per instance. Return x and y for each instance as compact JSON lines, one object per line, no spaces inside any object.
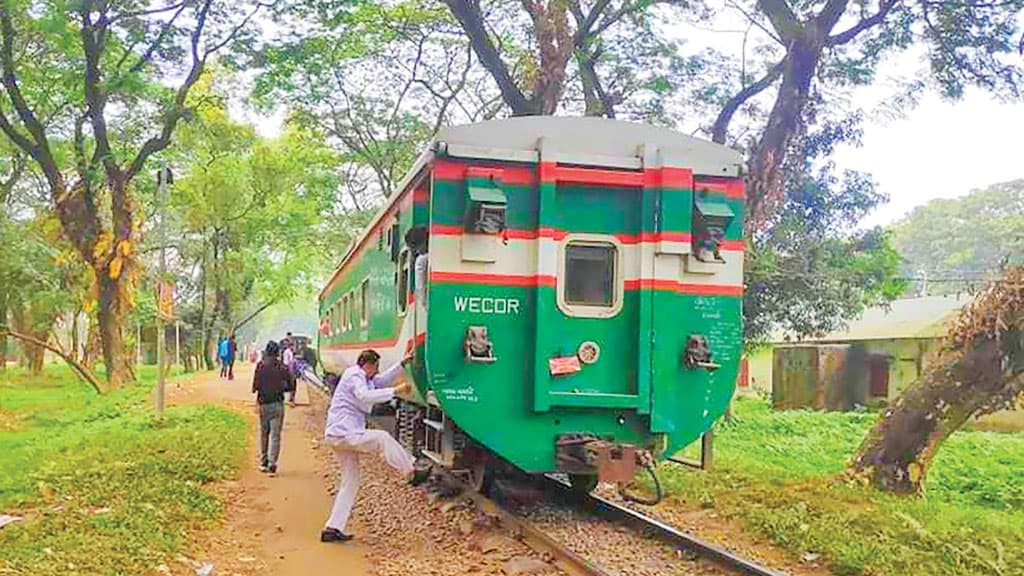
{"x":361,"y":386}
{"x":270,"y":383}
{"x":232,"y":351}
{"x":289,"y":362}
{"x":222,"y":355}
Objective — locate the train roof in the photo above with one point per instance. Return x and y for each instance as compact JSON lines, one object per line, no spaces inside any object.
{"x":587,"y":140}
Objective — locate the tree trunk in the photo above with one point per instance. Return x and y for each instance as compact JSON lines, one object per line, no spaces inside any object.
{"x":785,"y":125}
{"x":93,"y":349}
{"x":978,"y":370}
{"x":33,"y":354}
{"x":75,"y":343}
{"x":204,"y":326}
{"x":209,"y":348}
{"x":3,"y":326}
{"x":110,"y":320}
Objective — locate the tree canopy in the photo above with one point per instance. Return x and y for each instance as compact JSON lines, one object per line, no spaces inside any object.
{"x":955,"y":245}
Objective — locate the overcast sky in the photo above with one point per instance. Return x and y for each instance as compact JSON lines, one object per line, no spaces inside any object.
{"x":940,"y":150}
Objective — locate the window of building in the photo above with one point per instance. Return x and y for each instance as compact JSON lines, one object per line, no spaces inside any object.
{"x":590,"y":283}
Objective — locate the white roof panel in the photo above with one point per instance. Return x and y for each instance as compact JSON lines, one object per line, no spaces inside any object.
{"x":590,"y":140}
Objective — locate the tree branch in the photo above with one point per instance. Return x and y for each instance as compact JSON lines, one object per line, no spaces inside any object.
{"x":148,"y":54}
{"x":75,"y":364}
{"x":18,"y":138}
{"x":754,"y":21}
{"x":783,"y":20}
{"x":199,"y":57}
{"x":171,"y":118}
{"x":467,"y":12}
{"x":94,"y":41}
{"x":151,"y":12}
{"x":830,"y":15}
{"x":258,"y":311}
{"x":721,"y":128}
{"x":875,"y":19}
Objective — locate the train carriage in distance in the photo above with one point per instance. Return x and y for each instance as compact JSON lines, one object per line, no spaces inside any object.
{"x":582,"y":309}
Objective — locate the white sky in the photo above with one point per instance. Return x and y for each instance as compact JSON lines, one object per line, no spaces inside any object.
{"x":940,"y":150}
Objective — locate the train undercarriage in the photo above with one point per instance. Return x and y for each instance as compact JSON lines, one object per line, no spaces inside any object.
{"x":426,"y":432}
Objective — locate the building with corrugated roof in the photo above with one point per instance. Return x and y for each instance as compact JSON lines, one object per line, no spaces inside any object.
{"x":873,"y":358}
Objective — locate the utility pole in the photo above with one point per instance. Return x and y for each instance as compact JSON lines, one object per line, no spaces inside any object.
{"x":162,"y":181}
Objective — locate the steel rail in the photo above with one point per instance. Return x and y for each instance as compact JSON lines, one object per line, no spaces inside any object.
{"x":568,"y":561}
{"x":669,"y":534}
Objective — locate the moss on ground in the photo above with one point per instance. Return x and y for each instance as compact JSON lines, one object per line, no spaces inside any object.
{"x":776,"y":471}
{"x":104,"y":488}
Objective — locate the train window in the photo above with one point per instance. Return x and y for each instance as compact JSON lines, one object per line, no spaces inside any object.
{"x":357,"y":306}
{"x":364,"y":304}
{"x":590,"y":283}
{"x":350,"y":302}
{"x":346,"y":307}
{"x":403,"y":281}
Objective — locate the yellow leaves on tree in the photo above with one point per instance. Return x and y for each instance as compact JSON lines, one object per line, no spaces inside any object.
{"x":101,"y":250}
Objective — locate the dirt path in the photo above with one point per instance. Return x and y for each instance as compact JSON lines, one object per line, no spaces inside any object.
{"x":272,"y":524}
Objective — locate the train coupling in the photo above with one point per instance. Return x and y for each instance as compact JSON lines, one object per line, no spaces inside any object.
{"x":588,"y":454}
{"x":617,"y":463}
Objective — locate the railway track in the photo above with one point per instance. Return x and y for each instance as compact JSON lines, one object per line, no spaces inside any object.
{"x":576,"y":564}
{"x":669,"y":534}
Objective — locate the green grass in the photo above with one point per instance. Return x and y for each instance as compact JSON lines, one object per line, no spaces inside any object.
{"x":776,"y":470}
{"x":103,"y":487}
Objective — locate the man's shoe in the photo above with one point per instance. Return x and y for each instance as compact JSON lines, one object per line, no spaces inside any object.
{"x":264,"y":468}
{"x":334,"y":535}
{"x":272,"y":469}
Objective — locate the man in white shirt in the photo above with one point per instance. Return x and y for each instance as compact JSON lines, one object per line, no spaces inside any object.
{"x":360,"y":387}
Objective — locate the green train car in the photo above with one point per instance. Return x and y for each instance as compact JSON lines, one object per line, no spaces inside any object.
{"x":582,"y":309}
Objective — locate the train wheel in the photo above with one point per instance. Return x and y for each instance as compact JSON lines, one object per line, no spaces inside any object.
{"x":479,"y":467}
{"x":481,"y":476}
{"x":583,"y":484}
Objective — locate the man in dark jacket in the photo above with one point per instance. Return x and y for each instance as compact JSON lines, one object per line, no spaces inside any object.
{"x":271,"y":382}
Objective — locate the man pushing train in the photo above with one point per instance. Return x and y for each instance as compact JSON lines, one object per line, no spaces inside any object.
{"x":361,"y":386}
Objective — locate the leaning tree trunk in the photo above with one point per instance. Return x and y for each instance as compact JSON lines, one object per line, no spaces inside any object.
{"x":978,"y":370}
